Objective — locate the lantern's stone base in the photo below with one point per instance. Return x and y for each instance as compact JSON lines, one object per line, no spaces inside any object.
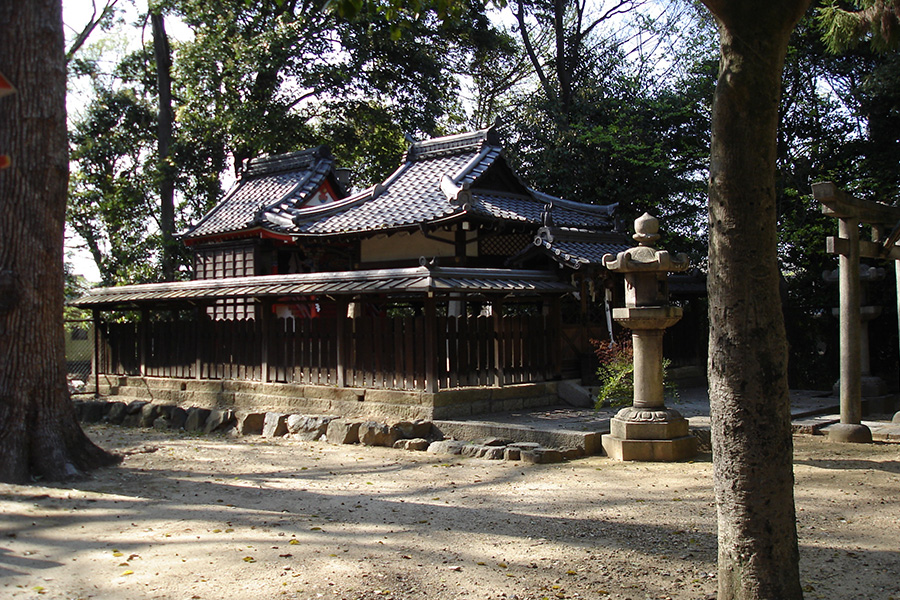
{"x":658,"y":435}
{"x":849,"y":432}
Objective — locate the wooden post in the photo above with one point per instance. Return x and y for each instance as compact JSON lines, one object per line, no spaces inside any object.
{"x":265,"y":321}
{"x":555,"y":318}
{"x":198,"y":341}
{"x":95,"y":359}
{"x":142,"y":340}
{"x":499,"y":357}
{"x":343,"y":304}
{"x":431,"y":383}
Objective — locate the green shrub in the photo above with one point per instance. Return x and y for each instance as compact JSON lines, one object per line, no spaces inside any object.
{"x":616,"y":374}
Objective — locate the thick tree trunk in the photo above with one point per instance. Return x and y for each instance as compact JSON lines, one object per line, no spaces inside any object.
{"x":39,"y":435}
{"x":750,"y":408}
{"x":163,"y":56}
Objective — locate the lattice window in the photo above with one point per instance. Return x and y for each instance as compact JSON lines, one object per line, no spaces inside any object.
{"x":504,"y":245}
{"x":231,"y":309}
{"x":217,"y":263}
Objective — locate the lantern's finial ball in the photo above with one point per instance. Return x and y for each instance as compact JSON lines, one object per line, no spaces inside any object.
{"x":646,"y":229}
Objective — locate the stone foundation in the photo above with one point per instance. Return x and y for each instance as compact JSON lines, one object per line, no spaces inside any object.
{"x":347,"y":402}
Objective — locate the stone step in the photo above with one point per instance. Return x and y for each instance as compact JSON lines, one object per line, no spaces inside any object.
{"x":470,"y":431}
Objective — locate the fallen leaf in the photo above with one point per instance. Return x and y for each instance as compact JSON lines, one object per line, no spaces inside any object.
{"x":128,"y":572}
{"x":249,"y":559}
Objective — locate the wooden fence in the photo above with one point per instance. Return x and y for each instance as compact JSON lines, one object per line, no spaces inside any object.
{"x":403,"y":353}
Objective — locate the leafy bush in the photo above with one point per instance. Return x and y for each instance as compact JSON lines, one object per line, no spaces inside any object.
{"x":616,"y":374}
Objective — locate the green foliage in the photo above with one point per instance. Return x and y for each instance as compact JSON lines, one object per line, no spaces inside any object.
{"x":258,"y":78}
{"x":616,"y":374}
{"x":875,"y":21}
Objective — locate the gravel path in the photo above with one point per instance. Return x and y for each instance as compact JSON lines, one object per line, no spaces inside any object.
{"x":251,"y":519}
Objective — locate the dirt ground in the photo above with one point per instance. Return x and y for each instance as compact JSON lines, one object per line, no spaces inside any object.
{"x":200,"y":517}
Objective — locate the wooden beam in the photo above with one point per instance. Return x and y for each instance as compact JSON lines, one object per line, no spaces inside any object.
{"x":839,"y":204}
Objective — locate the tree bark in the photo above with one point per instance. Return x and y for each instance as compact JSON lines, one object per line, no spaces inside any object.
{"x":39,"y":435}
{"x":163,"y":55}
{"x":749,"y":403}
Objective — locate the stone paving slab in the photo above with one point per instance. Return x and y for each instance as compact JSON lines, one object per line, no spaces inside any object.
{"x":811,"y":412}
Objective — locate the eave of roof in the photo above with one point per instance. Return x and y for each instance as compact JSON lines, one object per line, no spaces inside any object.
{"x":417,"y":281}
{"x":574,"y":248}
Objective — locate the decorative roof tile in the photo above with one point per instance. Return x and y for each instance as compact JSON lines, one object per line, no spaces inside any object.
{"x":576,"y":247}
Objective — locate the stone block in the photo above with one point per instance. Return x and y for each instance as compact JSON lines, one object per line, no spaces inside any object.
{"x":681,"y":448}
{"x":149,"y":413}
{"x":511,"y":453}
{"x":492,"y":453}
{"x":274,"y":425}
{"x":196,"y":419}
{"x":446,"y":447}
{"x":218,"y":420}
{"x":524,"y":445}
{"x":342,"y":431}
{"x":472,"y":450}
{"x":572,"y":453}
{"x":309,"y":428}
{"x":372,"y":433}
{"x":135,"y":406}
{"x":116,"y":413}
{"x":540,"y":456}
{"x":648,"y":430}
{"x":418,"y":444}
{"x":177,"y":417}
{"x":249,"y":423}
{"x":93,"y":411}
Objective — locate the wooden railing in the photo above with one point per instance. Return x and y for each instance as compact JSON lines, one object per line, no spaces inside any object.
{"x":404,"y":353}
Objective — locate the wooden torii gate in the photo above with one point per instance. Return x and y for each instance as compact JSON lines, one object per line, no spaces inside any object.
{"x":850,"y":213}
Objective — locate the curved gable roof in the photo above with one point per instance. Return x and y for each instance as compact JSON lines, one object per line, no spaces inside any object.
{"x":269,"y":186}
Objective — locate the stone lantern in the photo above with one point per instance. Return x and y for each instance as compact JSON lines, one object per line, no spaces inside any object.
{"x":647,"y":430}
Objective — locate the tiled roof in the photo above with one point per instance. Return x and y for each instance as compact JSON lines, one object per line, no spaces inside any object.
{"x":268,"y":187}
{"x":440,"y":179}
{"x":410,"y":281}
{"x":576,"y":248}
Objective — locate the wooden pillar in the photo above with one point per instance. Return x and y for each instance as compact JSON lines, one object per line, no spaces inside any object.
{"x":95,"y":358}
{"x":431,"y":341}
{"x":199,"y":314}
{"x":343,"y":305}
{"x":499,"y":356}
{"x":265,"y":322}
{"x":142,"y":340}
{"x":555,"y":318}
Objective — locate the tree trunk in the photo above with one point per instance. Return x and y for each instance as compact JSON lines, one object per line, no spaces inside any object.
{"x":39,"y":435}
{"x":163,"y":55}
{"x":750,"y":409}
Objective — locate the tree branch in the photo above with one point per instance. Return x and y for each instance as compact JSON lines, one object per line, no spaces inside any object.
{"x":89,"y":28}
{"x":532,"y":56}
